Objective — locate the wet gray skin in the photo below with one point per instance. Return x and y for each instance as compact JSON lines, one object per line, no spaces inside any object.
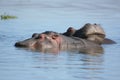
{"x":28,"y":42}
{"x":35,"y":42}
{"x":92,"y":32}
{"x":54,"y":42}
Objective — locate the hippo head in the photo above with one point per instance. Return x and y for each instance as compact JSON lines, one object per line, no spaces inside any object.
{"x":45,"y":40}
{"x":92,"y":32}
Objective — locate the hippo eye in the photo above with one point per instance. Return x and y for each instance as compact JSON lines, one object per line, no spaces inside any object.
{"x":55,"y":36}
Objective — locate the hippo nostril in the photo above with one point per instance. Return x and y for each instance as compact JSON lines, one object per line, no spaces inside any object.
{"x":38,"y":37}
{"x":41,"y":36}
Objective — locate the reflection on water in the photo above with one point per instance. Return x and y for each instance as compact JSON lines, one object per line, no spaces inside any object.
{"x":89,"y":67}
{"x":94,"y":67}
{"x":35,"y":16}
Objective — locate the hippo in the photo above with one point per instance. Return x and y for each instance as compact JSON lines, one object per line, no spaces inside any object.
{"x":92,"y":32}
{"x":50,"y":41}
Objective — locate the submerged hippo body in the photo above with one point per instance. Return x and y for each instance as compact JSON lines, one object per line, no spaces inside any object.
{"x":52,"y":41}
{"x":92,"y":32}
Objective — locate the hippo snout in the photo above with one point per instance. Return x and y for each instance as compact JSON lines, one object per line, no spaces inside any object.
{"x":26,"y":43}
{"x":20,"y":44}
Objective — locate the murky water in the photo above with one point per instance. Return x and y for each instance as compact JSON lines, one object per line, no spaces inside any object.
{"x":58,"y":15}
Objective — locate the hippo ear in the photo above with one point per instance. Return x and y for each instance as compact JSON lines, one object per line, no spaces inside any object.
{"x":70,"y":29}
{"x":55,"y":36}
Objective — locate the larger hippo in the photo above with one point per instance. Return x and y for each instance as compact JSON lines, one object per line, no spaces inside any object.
{"x":53,"y":41}
{"x":92,"y":32}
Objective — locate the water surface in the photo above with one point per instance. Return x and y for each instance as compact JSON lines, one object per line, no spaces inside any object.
{"x":58,"y":15}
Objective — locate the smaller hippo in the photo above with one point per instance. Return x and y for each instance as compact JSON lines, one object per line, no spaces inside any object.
{"x":92,"y":32}
{"x":50,"y":41}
